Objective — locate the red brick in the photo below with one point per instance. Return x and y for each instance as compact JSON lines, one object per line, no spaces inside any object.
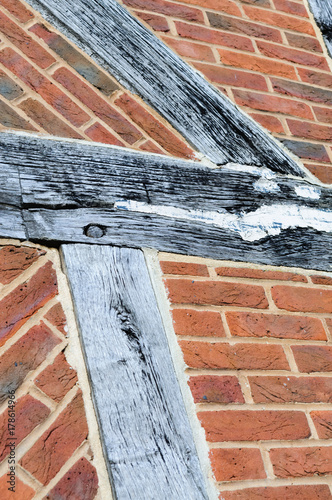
{"x":169,"y":267}
{"x":224,"y":5}
{"x":313,"y":358}
{"x":158,"y":23}
{"x":323,"y":172}
{"x":304,"y":42}
{"x":302,"y":299}
{"x":245,"y":324}
{"x":47,"y":120}
{"x":200,"y":323}
{"x":24,"y":356}
{"x":243,"y":27}
{"x":191,"y":50}
{"x":98,"y":105}
{"x":22,"y":40}
{"x":323,"y":114}
{"x":58,"y":443}
{"x":315,"y":77}
{"x":214,"y":36}
{"x":81,"y":480}
{"x":237,"y":464}
{"x":252,"y":425}
{"x":44,"y":87}
{"x":307,"y":150}
{"x":291,"y":389}
{"x":168,"y":9}
{"x":224,"y":356}
{"x":19,"y":305}
{"x":323,"y":423}
{"x":57,"y":379}
{"x":305,"y":492}
{"x":257,"y":63}
{"x":28,"y":414}
{"x":271,"y":123}
{"x":156,"y":130}
{"x":10,"y":119}
{"x":14,"y":260}
{"x":57,"y":317}
{"x":98,"y":133}
{"x":266,"y":102}
{"x":302,"y":462}
{"x":216,"y":389}
{"x":151,"y":147}
{"x":227,"y":76}
{"x":297,"y":9}
{"x":292,"y":55}
{"x":321,"y":280}
{"x":302,"y":91}
{"x":280,"y":20}
{"x":22,"y":490}
{"x":310,"y":130}
{"x":18,"y":10}
{"x":218,"y":293}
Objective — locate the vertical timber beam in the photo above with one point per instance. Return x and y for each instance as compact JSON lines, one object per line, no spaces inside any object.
{"x":147,"y":438}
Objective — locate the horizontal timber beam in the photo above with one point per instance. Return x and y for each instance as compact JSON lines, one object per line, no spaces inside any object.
{"x":77,"y":192}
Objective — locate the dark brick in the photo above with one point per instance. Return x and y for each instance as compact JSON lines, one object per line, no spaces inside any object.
{"x":302,"y":91}
{"x":307,"y":150}
{"x":303,"y":42}
{"x":158,"y":23}
{"x":10,"y":119}
{"x":8,"y":88}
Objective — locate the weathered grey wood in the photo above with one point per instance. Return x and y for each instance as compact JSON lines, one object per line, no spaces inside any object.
{"x":138,"y":59}
{"x":147,"y":437}
{"x":300,"y":247}
{"x":11,"y":223}
{"x":322,"y":11}
{"x":10,"y":189}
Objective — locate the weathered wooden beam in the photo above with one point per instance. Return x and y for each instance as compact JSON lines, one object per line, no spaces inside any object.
{"x":147,"y":438}
{"x":322,"y":11}
{"x":144,"y":64}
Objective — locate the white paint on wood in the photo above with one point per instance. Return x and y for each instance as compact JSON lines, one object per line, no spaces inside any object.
{"x":311,"y":192}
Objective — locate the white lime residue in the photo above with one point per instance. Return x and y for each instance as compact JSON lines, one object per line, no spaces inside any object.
{"x":252,"y":226}
{"x":311,"y":192}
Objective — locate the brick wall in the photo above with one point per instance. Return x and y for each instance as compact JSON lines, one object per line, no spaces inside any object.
{"x":49,"y":86}
{"x":267,"y":56}
{"x":257,"y":345}
{"x":52,"y":450}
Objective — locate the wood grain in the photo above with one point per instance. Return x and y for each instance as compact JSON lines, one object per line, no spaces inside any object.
{"x":146,"y":433}
{"x":145,"y":65}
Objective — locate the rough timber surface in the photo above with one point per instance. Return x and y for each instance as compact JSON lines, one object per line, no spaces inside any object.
{"x":147,"y":436}
{"x":322,"y":11}
{"x":138,"y":59}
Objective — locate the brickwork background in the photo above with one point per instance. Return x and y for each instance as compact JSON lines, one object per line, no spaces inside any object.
{"x":53,"y":455}
{"x":257,"y":345}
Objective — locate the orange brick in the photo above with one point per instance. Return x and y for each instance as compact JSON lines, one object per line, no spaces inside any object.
{"x":24,"y":356}
{"x":82,"y":477}
{"x":224,"y":5}
{"x":44,"y":87}
{"x":28,"y":414}
{"x":233,"y":77}
{"x":216,"y":389}
{"x":17,"y":307}
{"x":291,"y":389}
{"x":224,"y":356}
{"x":245,"y":324}
{"x":57,"y":317}
{"x":18,"y":10}
{"x":98,"y":133}
{"x":58,"y":443}
{"x":213,"y":36}
{"x":151,"y":147}
{"x":302,"y":462}
{"x":323,"y":114}
{"x":253,"y":425}
{"x":98,"y":105}
{"x":313,"y":358}
{"x":169,"y":267}
{"x":191,"y":50}
{"x":292,"y":55}
{"x":168,"y":9}
{"x":305,"y":492}
{"x":22,"y":490}
{"x":15,"y":260}
{"x":315,"y":77}
{"x":281,"y":20}
{"x":57,"y":379}
{"x":321,"y":280}
{"x":237,"y":464}
{"x":257,"y":63}
{"x":310,"y":130}
{"x":22,"y":40}
{"x":304,"y":42}
{"x":158,"y":23}
{"x":323,"y":423}
{"x":200,"y":323}
{"x":302,"y":299}
{"x":271,"y":123}
{"x":297,"y":9}
{"x":219,"y":293}
{"x":323,"y":172}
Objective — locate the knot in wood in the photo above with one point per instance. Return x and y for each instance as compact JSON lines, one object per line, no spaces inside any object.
{"x":93,"y":231}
